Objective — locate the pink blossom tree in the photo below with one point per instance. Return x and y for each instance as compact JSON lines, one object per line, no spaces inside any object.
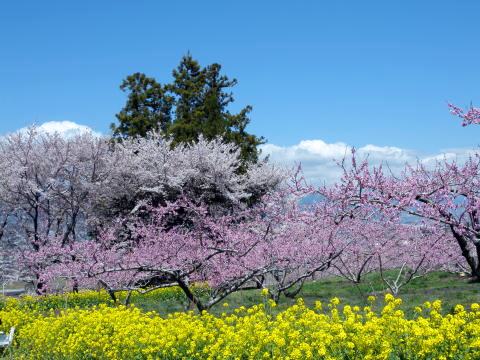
{"x":366,"y":241}
{"x":414,"y":252}
{"x":469,"y":117}
{"x":444,"y":196}
{"x":221,"y":251}
{"x":65,"y":190}
{"x":302,"y":240}
{"x":275,"y":244}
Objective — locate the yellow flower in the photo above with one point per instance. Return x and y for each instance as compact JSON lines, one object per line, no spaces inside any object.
{"x":389,"y":298}
{"x":335,"y":301}
{"x":437,"y":305}
{"x":106,"y":331}
{"x":272,"y":303}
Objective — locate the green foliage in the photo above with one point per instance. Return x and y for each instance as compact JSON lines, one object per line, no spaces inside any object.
{"x":451,"y":288}
{"x":148,"y":107}
{"x":195,"y":103}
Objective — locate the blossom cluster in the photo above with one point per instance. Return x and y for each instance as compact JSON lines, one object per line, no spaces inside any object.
{"x":325,"y":331}
{"x":471,"y":116}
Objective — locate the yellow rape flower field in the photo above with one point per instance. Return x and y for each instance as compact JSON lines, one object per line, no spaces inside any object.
{"x":324,"y":331}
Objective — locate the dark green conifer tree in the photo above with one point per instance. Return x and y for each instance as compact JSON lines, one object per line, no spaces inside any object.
{"x":199,"y":99}
{"x":148,"y":107}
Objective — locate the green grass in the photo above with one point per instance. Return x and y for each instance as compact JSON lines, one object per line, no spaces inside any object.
{"x":452,"y":289}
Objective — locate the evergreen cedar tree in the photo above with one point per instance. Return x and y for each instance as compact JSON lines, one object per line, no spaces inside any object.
{"x":195,"y":103}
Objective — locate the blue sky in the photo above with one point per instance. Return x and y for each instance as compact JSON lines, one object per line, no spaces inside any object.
{"x":356,"y":72}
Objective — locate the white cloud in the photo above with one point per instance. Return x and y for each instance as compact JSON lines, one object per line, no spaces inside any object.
{"x":449,"y":154}
{"x":319,"y":159}
{"x":64,"y":128}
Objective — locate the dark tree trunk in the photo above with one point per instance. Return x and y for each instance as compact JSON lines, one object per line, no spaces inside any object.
{"x":190,"y":295}
{"x":472,"y":262}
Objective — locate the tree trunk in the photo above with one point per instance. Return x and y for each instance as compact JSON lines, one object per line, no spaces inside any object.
{"x":190,"y":295}
{"x":466,"y":253}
